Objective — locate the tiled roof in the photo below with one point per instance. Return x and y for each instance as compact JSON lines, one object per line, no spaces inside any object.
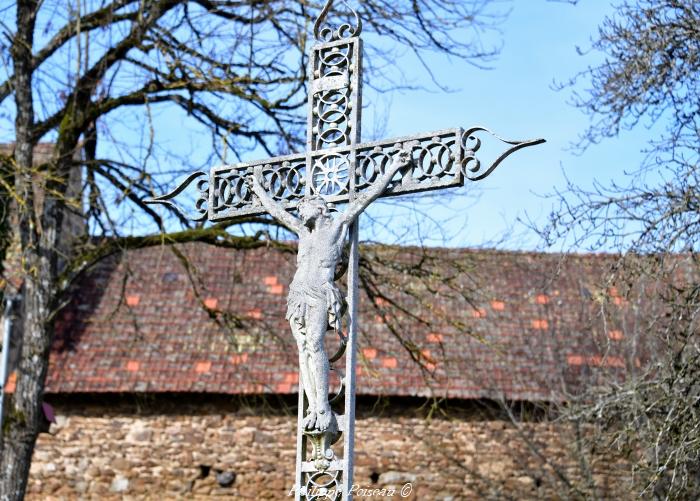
{"x":474,"y":324}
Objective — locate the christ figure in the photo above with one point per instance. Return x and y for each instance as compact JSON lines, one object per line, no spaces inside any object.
{"x":315,"y":304}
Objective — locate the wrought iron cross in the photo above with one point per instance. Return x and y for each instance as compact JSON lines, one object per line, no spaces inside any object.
{"x":339,"y":168}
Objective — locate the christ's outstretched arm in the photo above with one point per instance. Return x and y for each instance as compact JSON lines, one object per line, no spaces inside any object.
{"x":274,"y":208}
{"x":401,"y":159}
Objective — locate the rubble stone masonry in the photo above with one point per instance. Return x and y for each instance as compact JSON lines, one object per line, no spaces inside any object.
{"x":156,"y":449}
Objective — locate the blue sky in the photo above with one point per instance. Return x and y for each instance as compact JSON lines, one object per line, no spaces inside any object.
{"x":516,"y":100}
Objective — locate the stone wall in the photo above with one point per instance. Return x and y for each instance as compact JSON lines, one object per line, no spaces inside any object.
{"x":169,"y":450}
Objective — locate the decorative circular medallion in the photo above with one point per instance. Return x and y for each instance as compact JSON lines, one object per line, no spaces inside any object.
{"x":330,"y":175}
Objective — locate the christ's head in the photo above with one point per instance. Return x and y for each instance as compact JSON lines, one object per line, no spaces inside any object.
{"x":311,"y":209}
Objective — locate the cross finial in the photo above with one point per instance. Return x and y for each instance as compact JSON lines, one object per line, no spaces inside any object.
{"x":326,"y":33}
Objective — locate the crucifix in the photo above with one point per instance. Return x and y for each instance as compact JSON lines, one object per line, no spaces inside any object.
{"x":301,"y":191}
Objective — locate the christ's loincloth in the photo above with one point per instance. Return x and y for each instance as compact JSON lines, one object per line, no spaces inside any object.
{"x":300,"y":299}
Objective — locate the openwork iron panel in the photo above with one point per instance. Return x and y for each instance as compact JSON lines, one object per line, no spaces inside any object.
{"x":322,"y":485}
{"x":230,"y":196}
{"x":334,"y":101}
{"x":436,"y":163}
{"x":440,"y":159}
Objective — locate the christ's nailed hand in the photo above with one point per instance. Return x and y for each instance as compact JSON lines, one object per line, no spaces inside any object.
{"x":402,"y":158}
{"x":256,"y":177}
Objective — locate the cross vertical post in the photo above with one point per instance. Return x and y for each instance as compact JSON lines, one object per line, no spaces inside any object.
{"x":334,"y":120}
{"x":351,"y":361}
{"x":336,"y":168}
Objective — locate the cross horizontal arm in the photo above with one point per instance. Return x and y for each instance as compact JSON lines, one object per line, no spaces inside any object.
{"x":223,"y":193}
{"x":441,"y":159}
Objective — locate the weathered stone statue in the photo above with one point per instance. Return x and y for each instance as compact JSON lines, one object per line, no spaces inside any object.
{"x":315,"y":304}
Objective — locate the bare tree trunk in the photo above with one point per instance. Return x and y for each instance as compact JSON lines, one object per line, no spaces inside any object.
{"x":37,"y":236}
{"x":92,"y":98}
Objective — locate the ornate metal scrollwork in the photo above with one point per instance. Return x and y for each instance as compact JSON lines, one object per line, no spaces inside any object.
{"x":370,"y":165}
{"x":330,"y":175}
{"x":433,"y":159}
{"x":232,"y":190}
{"x":324,"y":32}
{"x":434,"y":163}
{"x":323,"y":485}
{"x":340,"y":394}
{"x":332,"y":96}
{"x":471,"y":144}
{"x":339,"y":352}
{"x":284,"y":181}
{"x":230,"y":196}
{"x":440,"y":160}
{"x":201,"y":182}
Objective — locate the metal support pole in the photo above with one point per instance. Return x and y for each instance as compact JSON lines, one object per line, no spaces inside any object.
{"x":4,"y":364}
{"x":301,"y":444}
{"x":350,"y":359}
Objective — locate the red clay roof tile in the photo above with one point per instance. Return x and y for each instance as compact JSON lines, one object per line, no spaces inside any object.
{"x":522,"y":352}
